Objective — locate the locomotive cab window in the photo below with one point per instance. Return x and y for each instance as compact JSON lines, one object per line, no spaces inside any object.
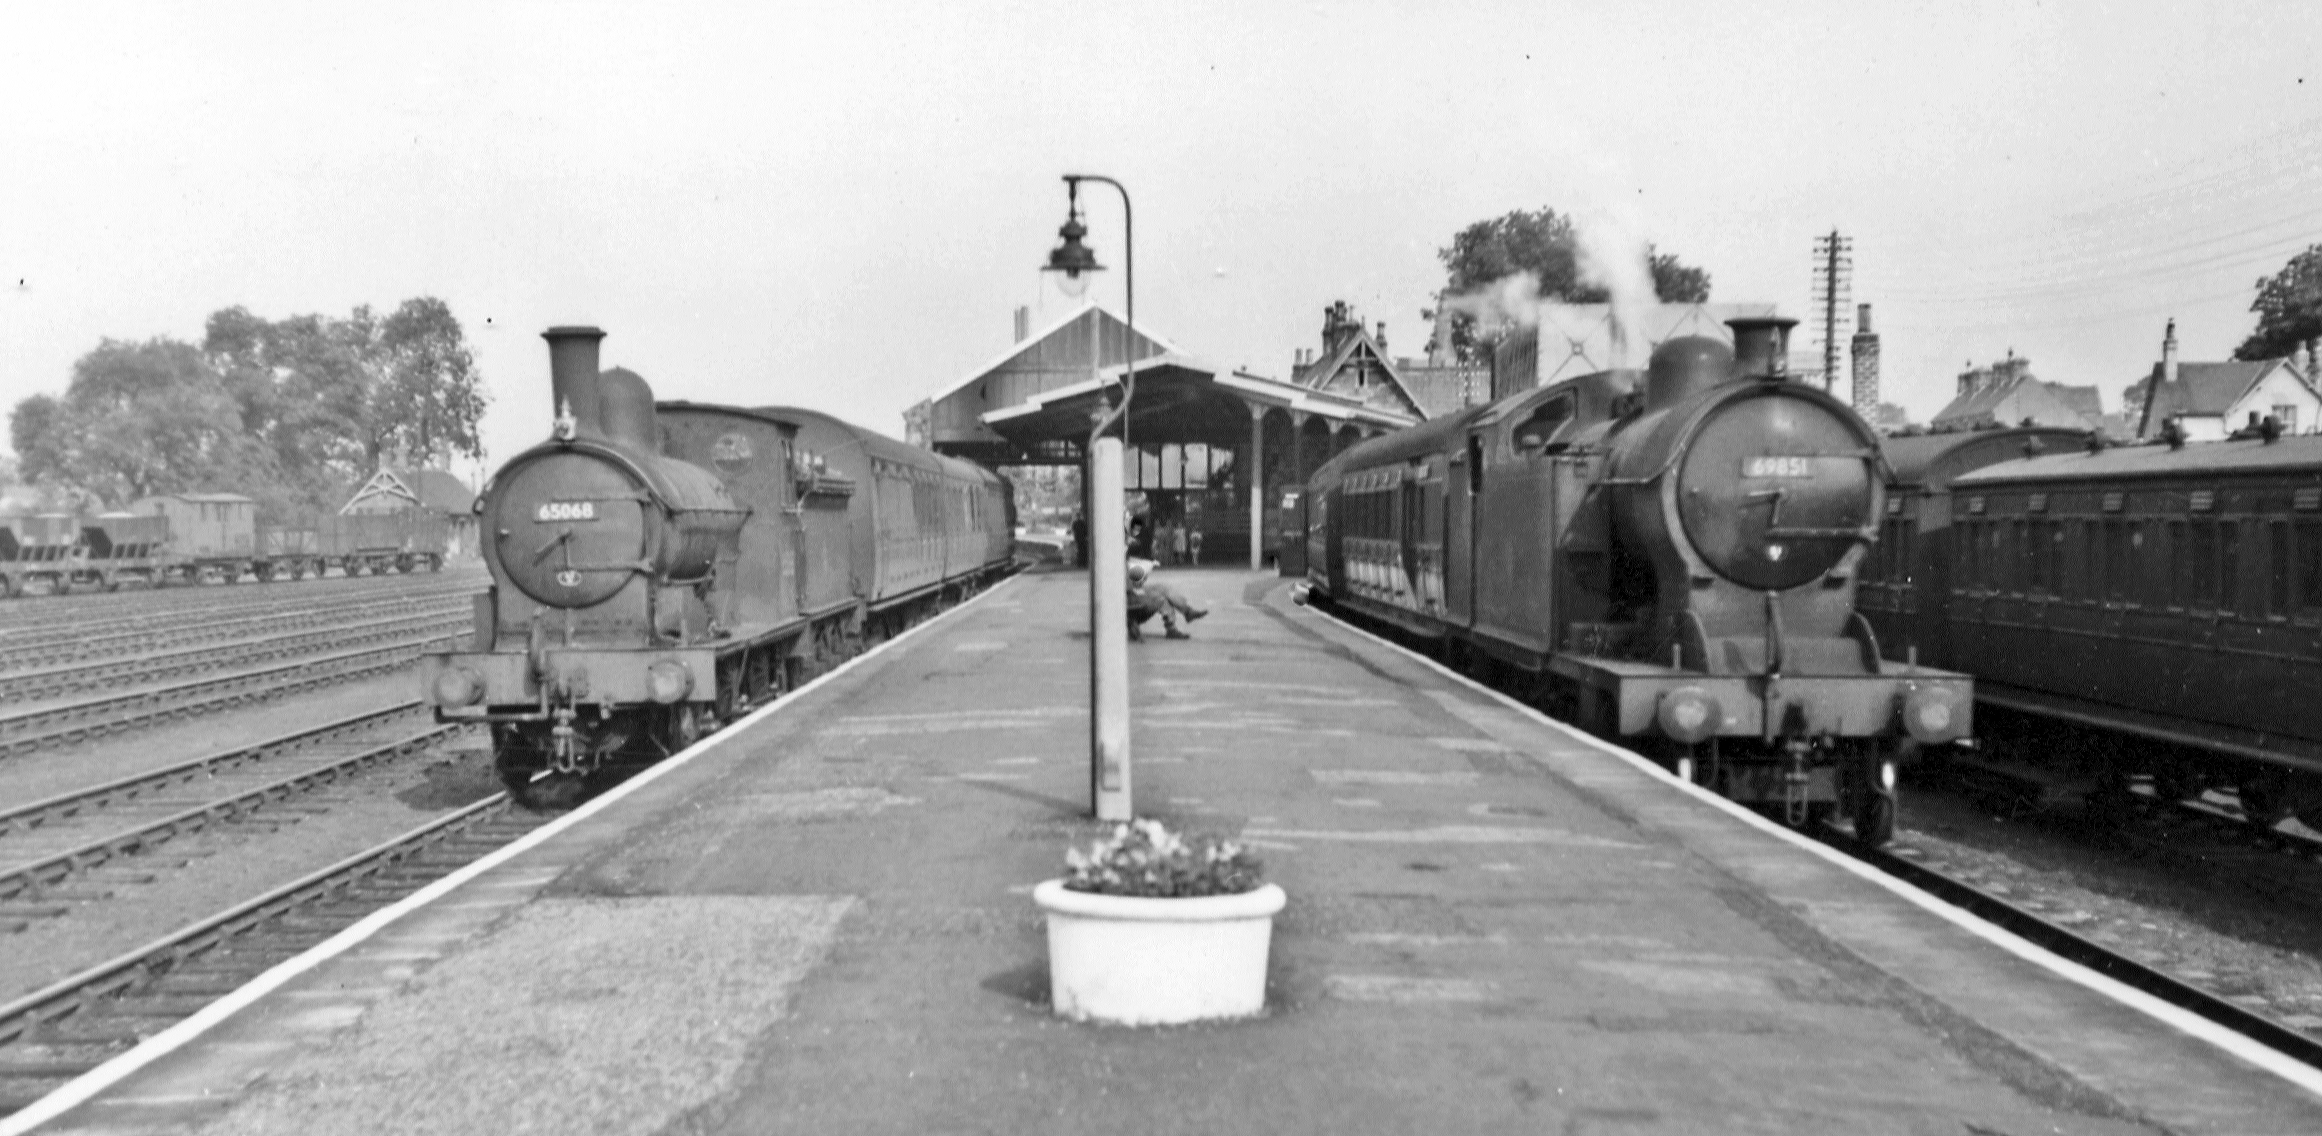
{"x":1535,"y":430}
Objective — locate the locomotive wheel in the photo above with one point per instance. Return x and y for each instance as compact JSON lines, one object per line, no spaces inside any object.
{"x":2171,"y":785}
{"x":684,"y":726}
{"x":1874,"y":820}
{"x":2265,"y":799}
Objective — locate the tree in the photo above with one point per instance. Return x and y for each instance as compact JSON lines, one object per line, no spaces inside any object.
{"x":1545,"y":246}
{"x":2289,"y":308}
{"x":137,"y":419}
{"x":430,"y":400}
{"x":292,"y":412}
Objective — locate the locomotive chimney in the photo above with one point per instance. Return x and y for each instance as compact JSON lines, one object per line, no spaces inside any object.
{"x":625,"y":402}
{"x":1761,"y":347}
{"x":572,"y":376}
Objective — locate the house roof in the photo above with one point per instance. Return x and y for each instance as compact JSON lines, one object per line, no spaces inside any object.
{"x":1357,"y":342}
{"x":2011,"y":400}
{"x":2085,"y":401}
{"x":2204,"y":389}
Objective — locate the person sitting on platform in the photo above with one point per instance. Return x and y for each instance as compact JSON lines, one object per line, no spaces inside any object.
{"x":1149,"y":597}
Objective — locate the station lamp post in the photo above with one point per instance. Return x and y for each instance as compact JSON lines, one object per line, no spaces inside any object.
{"x":1108,"y":605}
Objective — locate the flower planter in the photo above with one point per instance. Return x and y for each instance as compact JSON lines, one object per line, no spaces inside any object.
{"x":1138,"y":961}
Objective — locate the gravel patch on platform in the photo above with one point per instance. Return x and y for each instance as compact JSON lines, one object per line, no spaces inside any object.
{"x":630,"y":1013}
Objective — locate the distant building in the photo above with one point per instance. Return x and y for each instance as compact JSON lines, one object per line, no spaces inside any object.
{"x":2006,"y":394}
{"x":1888,"y":418}
{"x":392,"y":490}
{"x":2212,"y":400}
{"x":1353,"y":363}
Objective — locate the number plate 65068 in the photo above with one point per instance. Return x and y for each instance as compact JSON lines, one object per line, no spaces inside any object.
{"x":566,"y":511}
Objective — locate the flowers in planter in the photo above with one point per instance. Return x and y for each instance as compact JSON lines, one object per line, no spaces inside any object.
{"x":1143,"y":858}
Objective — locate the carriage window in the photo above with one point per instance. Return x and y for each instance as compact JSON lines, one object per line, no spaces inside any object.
{"x":2278,"y":564}
{"x":2011,"y":561}
{"x":2181,"y":570}
{"x":2310,"y":566}
{"x":2116,"y":561}
{"x":2201,"y":561}
{"x":2229,"y":566}
{"x":1535,"y":430}
{"x":2091,"y":560}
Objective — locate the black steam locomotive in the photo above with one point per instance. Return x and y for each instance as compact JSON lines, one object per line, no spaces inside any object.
{"x":658,"y":569}
{"x":1672,"y":566}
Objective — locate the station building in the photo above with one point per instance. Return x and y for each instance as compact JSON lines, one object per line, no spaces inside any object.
{"x":1209,"y":449}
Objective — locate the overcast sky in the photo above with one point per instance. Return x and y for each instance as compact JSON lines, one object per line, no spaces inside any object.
{"x":840,"y":205}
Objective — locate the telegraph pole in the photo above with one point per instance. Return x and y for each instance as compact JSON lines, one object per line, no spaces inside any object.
{"x":1833,"y":277}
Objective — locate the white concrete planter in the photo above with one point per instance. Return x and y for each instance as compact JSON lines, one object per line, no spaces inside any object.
{"x":1134,"y":961}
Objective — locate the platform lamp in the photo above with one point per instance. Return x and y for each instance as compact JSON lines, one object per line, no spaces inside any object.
{"x":1108,"y":605}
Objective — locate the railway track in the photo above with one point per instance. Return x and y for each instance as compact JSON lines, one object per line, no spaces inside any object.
{"x":157,"y":666}
{"x":165,"y":629}
{"x":1930,"y":874}
{"x":66,"y":723}
{"x":122,"y":615}
{"x":47,"y":843}
{"x":51,"y":614}
{"x":57,"y":1033}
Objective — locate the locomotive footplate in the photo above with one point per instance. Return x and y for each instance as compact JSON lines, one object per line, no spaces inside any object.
{"x":1635,"y":699}
{"x":466,"y":686}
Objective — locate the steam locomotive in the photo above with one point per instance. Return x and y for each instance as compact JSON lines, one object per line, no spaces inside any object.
{"x":659,"y":568}
{"x":1672,"y":566}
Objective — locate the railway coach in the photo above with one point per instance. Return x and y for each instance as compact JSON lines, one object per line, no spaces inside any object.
{"x":2167,"y":591}
{"x":658,"y":568}
{"x":1674,"y":566}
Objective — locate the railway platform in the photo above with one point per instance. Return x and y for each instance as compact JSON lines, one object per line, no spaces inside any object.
{"x":820,"y":921}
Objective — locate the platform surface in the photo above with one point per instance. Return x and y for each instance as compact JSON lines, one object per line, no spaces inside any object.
{"x":821,"y":923}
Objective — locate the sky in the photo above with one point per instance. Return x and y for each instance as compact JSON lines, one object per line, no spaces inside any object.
{"x":841,"y":206}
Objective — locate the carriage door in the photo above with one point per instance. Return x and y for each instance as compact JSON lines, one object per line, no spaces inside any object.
{"x":1462,"y":482}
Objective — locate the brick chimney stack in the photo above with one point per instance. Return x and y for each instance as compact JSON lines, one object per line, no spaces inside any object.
{"x":2169,"y":353}
{"x":1866,"y":364}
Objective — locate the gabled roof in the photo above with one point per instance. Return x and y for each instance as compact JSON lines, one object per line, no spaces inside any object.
{"x":2204,"y":389}
{"x":1043,"y":332}
{"x":432,"y":489}
{"x":1357,"y":342}
{"x":2008,"y":402}
{"x":2085,"y":401}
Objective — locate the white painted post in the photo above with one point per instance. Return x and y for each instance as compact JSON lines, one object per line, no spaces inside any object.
{"x":1256,"y":477}
{"x":1108,"y":582}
